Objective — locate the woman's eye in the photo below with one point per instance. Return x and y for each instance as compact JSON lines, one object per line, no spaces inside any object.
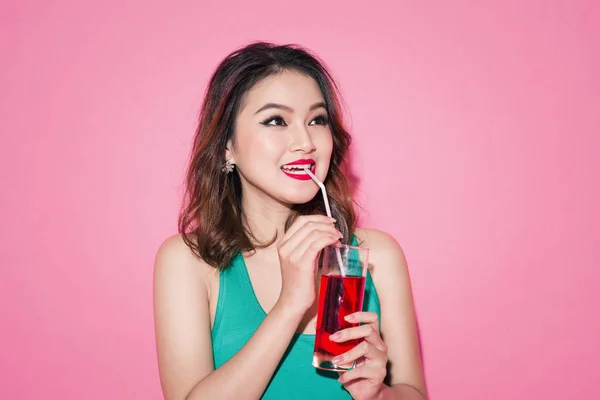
{"x":276,"y":121}
{"x":320,"y":120}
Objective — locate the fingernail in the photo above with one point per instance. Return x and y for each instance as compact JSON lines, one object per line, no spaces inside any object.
{"x":349,"y":317}
{"x":337,"y":360}
{"x":335,"y":336}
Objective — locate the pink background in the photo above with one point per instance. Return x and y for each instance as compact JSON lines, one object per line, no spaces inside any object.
{"x":476,"y":137}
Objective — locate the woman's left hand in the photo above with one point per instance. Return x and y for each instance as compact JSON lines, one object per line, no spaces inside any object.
{"x":365,"y":380}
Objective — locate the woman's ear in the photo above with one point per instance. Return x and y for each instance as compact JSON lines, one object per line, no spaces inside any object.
{"x":229,"y":154}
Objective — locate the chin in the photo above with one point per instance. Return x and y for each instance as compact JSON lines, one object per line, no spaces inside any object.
{"x":299,"y":197}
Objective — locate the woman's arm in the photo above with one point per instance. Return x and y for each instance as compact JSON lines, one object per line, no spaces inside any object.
{"x":401,"y":391}
{"x":183,"y":334}
{"x":398,"y":322}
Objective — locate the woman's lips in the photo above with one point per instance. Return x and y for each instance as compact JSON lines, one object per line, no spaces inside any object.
{"x":296,"y":171}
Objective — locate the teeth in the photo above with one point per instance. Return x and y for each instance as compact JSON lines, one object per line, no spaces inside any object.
{"x":296,"y":169}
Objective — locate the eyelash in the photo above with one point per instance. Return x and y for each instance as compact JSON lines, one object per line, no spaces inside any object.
{"x":322,"y":120}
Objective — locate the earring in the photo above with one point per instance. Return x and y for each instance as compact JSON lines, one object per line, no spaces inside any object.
{"x":228,"y":168}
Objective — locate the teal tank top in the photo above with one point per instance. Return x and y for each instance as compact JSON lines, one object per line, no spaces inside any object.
{"x":239,"y":314}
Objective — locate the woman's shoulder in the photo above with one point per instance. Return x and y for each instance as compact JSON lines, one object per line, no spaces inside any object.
{"x":174,"y":256}
{"x":385,"y":253}
{"x":379,"y":242}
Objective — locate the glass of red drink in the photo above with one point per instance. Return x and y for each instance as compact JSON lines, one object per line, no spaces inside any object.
{"x":341,"y":292}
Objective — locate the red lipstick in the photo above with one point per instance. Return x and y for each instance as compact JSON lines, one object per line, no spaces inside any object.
{"x":295,"y":169}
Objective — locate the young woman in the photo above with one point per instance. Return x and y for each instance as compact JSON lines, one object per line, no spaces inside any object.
{"x":235,"y":290}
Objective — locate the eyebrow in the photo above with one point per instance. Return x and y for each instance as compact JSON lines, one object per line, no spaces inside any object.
{"x":287,"y":108}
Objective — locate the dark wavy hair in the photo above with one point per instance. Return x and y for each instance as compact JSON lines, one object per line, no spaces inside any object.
{"x":211,"y":221}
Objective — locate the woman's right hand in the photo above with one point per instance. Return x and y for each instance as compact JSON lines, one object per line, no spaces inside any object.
{"x":298,"y":252}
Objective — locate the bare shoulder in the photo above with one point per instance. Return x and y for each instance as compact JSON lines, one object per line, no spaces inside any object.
{"x":174,"y":248}
{"x":177,"y":268}
{"x":385,"y":253}
{"x":174,"y":256}
{"x":181,"y":316}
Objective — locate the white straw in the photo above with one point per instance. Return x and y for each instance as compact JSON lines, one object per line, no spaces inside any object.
{"x":323,"y":191}
{"x":328,"y":211}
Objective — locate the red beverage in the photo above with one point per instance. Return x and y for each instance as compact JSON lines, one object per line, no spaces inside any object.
{"x":338,"y":296}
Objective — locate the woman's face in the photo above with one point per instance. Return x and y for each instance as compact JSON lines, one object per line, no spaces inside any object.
{"x":282,"y":126}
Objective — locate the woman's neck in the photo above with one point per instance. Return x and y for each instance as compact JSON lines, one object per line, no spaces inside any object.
{"x":264,"y":217}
